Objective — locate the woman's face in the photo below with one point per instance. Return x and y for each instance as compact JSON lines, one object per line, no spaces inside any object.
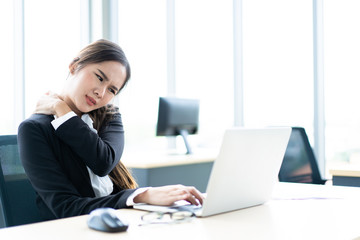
{"x":93,"y":86}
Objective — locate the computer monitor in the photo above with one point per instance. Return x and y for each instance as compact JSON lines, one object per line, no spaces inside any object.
{"x":178,"y":116}
{"x":299,"y":163}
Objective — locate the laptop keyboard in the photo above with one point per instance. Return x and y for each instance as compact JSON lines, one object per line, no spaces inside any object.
{"x":189,"y":208}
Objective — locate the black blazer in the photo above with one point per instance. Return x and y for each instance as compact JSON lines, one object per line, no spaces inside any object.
{"x":55,"y":162}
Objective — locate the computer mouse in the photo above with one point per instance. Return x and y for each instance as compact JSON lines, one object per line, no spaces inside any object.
{"x":106,"y":220}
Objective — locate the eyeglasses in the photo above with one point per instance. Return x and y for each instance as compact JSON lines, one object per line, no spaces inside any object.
{"x":166,"y":217}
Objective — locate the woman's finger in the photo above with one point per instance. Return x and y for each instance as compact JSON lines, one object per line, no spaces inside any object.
{"x":197,"y":194}
{"x":190,"y":194}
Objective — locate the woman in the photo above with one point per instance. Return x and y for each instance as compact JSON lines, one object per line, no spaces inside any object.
{"x":72,"y":145}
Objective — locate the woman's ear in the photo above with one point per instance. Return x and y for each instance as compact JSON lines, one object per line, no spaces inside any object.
{"x":73,"y":65}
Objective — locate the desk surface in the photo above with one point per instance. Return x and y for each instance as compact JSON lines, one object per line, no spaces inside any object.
{"x":346,"y":170}
{"x":166,"y":159}
{"x":297,"y":211}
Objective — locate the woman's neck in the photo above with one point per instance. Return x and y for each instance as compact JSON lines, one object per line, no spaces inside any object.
{"x":71,"y":105}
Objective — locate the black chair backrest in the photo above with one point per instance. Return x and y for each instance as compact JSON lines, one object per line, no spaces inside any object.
{"x":299,"y":164}
{"x":16,"y":193}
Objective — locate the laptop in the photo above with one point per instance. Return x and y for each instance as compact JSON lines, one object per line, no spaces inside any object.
{"x":243,"y":174}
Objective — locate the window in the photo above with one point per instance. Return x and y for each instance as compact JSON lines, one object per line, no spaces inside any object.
{"x":142,"y":35}
{"x":278,"y":63}
{"x":52,"y":40}
{"x":341,"y":74}
{"x":204,"y":63}
{"x":7,"y":98}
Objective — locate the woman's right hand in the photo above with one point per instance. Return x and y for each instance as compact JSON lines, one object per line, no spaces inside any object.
{"x":51,"y":104}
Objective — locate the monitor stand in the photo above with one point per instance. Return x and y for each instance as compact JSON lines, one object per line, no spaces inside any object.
{"x":184,"y":133}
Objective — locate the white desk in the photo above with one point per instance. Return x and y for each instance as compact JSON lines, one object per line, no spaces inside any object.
{"x":162,"y":168}
{"x":157,"y":159}
{"x":298,"y":211}
{"x":346,"y":175}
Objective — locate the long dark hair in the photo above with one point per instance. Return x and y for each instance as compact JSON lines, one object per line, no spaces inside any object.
{"x":96,"y":52}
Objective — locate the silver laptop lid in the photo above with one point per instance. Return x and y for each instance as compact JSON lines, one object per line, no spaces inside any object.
{"x":246,"y":169}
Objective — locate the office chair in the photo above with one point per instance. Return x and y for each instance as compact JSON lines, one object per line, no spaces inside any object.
{"x":16,"y":193}
{"x":299,"y":164}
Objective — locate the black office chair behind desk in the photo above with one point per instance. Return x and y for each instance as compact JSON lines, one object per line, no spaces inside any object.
{"x":16,"y":193}
{"x":299,"y":164}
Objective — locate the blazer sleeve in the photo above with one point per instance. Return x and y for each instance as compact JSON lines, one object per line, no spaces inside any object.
{"x":101,"y":151}
{"x":51,"y":182}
